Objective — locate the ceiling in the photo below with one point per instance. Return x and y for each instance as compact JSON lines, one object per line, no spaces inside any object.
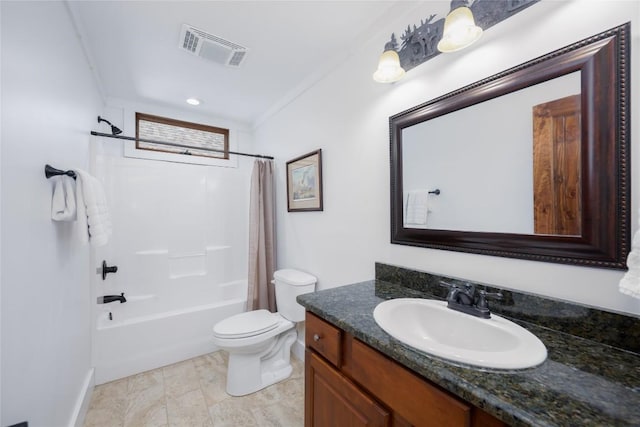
{"x":133,"y":48}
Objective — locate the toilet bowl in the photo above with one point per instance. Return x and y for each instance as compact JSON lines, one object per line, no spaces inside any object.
{"x":259,"y":342}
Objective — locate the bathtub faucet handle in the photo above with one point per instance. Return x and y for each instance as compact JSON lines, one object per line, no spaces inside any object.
{"x":108,"y":269}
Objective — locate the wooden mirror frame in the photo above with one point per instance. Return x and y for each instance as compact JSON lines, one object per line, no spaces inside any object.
{"x":603,"y":62}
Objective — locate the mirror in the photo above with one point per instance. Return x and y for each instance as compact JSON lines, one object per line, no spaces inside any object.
{"x":530,"y":163}
{"x":496,"y":141}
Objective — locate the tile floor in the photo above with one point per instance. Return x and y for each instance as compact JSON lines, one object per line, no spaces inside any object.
{"x":192,"y":393}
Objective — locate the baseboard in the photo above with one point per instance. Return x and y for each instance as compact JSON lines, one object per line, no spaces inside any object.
{"x":83,"y":401}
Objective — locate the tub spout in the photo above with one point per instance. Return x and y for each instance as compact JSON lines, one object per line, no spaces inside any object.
{"x":111,"y":298}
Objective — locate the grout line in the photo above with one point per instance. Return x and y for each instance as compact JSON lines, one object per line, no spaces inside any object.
{"x":164,"y":393}
{"x":204,"y":398}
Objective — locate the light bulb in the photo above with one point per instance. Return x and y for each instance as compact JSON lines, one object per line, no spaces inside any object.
{"x":389,"y":69}
{"x":460,"y":30}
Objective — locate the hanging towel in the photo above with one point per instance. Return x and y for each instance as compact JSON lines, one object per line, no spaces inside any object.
{"x":93,"y":213}
{"x":417,"y":207}
{"x":63,"y":203}
{"x":630,"y":283}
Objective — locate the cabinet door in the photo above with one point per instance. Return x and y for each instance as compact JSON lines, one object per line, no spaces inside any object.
{"x":332,"y":400}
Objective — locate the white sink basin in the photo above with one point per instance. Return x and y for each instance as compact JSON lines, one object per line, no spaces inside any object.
{"x":429,"y":326}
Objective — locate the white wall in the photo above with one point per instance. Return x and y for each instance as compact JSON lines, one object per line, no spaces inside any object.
{"x":346,"y":114}
{"x":50,"y":103}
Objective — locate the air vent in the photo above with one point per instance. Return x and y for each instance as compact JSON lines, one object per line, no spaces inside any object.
{"x":213,"y":48}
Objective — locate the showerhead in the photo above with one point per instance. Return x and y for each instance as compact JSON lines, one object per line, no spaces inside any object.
{"x":114,"y":130}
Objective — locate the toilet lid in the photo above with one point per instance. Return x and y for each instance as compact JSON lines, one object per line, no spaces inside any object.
{"x":247,"y":324}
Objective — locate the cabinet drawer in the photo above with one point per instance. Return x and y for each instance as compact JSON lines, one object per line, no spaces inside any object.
{"x":324,"y":338}
{"x":414,"y":399}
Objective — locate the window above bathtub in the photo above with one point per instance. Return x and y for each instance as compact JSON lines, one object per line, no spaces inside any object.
{"x":182,"y":142}
{"x":191,"y":139}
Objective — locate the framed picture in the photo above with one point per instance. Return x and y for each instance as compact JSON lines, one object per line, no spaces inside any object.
{"x":304,"y":183}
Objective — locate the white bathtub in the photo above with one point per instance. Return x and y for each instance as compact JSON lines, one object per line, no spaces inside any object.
{"x":138,"y":337}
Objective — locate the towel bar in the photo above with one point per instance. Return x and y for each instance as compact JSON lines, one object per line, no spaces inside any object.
{"x":50,"y":171}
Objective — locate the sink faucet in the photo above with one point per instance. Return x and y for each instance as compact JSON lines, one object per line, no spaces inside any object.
{"x":111,"y":298}
{"x":467,"y":300}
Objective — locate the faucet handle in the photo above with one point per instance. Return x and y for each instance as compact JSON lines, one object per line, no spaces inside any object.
{"x":483,"y":296}
{"x":449,"y":285}
{"x":464,"y":294}
{"x":107,"y":269}
{"x":467,"y":286}
{"x":453,"y":289}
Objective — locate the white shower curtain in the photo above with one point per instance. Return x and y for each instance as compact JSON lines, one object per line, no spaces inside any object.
{"x":262,"y":240}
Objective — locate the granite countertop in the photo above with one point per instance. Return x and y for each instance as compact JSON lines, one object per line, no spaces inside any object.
{"x":582,"y":382}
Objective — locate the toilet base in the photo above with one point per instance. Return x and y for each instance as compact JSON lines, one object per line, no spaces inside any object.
{"x":248,"y":373}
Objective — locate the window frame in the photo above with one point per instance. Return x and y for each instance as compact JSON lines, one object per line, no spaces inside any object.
{"x":184,"y":124}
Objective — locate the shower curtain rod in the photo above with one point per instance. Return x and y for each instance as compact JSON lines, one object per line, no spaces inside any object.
{"x":131,"y":138}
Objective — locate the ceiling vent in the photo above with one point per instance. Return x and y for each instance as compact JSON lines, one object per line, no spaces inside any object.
{"x":211,"y":47}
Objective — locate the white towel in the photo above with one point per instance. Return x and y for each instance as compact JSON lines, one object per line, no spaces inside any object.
{"x":417,"y":207}
{"x":63,"y":203}
{"x":93,"y":213}
{"x":630,"y":283}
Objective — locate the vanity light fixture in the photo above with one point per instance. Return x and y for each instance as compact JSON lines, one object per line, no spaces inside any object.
{"x":193,"y":101}
{"x":389,"y":68}
{"x":460,"y":29}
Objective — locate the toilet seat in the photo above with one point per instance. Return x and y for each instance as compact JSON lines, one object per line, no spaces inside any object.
{"x":247,"y":324}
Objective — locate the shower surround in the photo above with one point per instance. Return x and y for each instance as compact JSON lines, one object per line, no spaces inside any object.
{"x":180,"y":244}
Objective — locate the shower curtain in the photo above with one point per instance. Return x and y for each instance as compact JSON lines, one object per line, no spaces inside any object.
{"x":262,"y":244}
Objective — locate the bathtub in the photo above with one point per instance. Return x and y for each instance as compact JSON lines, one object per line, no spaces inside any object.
{"x":144,"y":334}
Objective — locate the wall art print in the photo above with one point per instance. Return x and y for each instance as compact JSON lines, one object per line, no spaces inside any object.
{"x":304,"y":183}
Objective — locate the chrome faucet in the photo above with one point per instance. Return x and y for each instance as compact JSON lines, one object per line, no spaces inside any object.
{"x":467,"y":300}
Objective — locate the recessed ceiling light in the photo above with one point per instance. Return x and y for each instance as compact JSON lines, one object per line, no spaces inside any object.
{"x":193,"y":101}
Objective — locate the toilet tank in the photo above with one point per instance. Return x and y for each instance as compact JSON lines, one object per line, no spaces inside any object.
{"x":289,"y":284}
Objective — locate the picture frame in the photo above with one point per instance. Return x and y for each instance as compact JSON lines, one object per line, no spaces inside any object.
{"x":304,"y":182}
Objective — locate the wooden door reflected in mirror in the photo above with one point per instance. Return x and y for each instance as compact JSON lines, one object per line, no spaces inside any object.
{"x":556,"y":167}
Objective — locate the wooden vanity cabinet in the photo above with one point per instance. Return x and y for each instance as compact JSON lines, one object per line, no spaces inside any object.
{"x":348,"y":383}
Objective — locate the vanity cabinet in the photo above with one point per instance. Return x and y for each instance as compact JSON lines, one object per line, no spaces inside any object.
{"x":348,"y":383}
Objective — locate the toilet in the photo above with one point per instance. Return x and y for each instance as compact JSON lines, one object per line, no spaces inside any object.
{"x":259,"y":342}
